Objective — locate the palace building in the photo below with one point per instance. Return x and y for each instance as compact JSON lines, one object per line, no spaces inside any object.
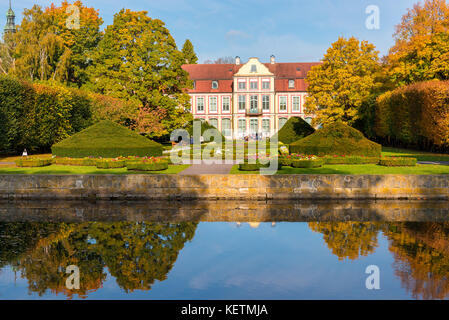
{"x":248,"y":99}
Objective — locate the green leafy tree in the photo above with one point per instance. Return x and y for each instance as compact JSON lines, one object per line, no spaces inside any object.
{"x":338,"y":87}
{"x":138,"y":60}
{"x":189,"y":53}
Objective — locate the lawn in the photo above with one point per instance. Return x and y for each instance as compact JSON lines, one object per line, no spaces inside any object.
{"x":420,"y":155}
{"x":72,"y":170}
{"x":358,"y":170}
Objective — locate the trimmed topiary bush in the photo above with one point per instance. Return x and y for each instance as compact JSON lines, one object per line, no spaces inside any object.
{"x":294,"y":129}
{"x":146,"y":166}
{"x":251,"y":166}
{"x":204,"y":126}
{"x":350,"y":160}
{"x":33,"y":162}
{"x":337,"y":139}
{"x":398,"y":162}
{"x":85,"y":162}
{"x":316,"y":163}
{"x":110,"y":164}
{"x":106,"y":139}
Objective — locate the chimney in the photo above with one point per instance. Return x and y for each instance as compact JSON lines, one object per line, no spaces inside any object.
{"x":237,"y":60}
{"x":273,"y":59}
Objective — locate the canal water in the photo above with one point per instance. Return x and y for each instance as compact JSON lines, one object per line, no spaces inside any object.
{"x":224,"y":250}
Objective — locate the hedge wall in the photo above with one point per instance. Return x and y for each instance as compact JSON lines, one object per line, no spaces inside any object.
{"x":415,"y":116}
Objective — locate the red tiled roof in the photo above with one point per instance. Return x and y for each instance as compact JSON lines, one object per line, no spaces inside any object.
{"x":204,"y":74}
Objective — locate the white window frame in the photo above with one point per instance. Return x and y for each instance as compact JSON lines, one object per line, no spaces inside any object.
{"x":214,"y":84}
{"x":264,"y":127}
{"x":239,"y":121}
{"x":242,"y":100}
{"x":256,"y":87}
{"x":241,"y":84}
{"x":228,"y":104}
{"x":211,"y":104}
{"x":298,"y":103}
{"x":264,"y":103}
{"x":224,"y":130}
{"x":213,"y":119}
{"x":265,"y":82}
{"x":254,"y":99}
{"x":291,"y":84}
{"x":198,"y":104}
{"x":282,"y":102}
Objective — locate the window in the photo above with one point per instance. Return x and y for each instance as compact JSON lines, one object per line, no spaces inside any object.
{"x":253,"y":68}
{"x":254,"y":105}
{"x":242,"y":126}
{"x":214,"y":84}
{"x":266,"y":84}
{"x":200,"y":104}
{"x":296,"y":104}
{"x":226,"y":127}
{"x":282,"y":122}
{"x":253,"y":85}
{"x":213,"y":104}
{"x":266,"y":103}
{"x":254,"y":125}
{"x":242,"y":103}
{"x":213,"y":122}
{"x":242,"y":85}
{"x":291,"y":84}
{"x":194,"y":84}
{"x":226,"y":104}
{"x":266,"y":126}
{"x":283,"y":103}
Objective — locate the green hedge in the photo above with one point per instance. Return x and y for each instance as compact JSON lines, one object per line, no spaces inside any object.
{"x":307,"y":163}
{"x":285,"y":162}
{"x":350,"y":160}
{"x":107,"y":139}
{"x":110,"y":164}
{"x":294,"y":129}
{"x":84,"y":162}
{"x":398,"y":162}
{"x":336,"y":139}
{"x":251,"y":166}
{"x":30,"y":162}
{"x":142,"y":166}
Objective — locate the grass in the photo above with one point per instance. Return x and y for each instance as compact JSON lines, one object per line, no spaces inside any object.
{"x":74,"y":170}
{"x":365,"y":169}
{"x":420,"y":155}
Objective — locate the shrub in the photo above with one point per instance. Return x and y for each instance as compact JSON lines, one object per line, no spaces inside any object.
{"x":110,"y":164}
{"x":416,"y":115}
{"x":398,"y":162}
{"x":106,"y":139}
{"x":33,"y":162}
{"x":316,"y":163}
{"x":251,"y":166}
{"x":147,"y":166}
{"x":204,"y":126}
{"x":294,"y":129}
{"x":84,"y":162}
{"x":336,"y":139}
{"x":284,"y":161}
{"x":350,"y":160}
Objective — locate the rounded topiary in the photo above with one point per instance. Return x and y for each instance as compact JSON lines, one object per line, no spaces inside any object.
{"x":294,"y":129}
{"x":107,"y":139}
{"x":204,"y":126}
{"x":337,"y":139}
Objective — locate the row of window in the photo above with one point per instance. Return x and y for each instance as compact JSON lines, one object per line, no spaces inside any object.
{"x":241,"y":124}
{"x":254,"y":103}
{"x":253,"y":85}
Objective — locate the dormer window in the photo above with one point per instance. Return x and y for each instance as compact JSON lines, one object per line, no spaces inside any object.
{"x":194,"y":85}
{"x":253,"y":68}
{"x":214,"y":84}
{"x":291,"y":84}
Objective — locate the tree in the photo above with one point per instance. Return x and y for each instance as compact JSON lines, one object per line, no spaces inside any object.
{"x":421,"y":50}
{"x":338,"y":87}
{"x":189,"y":52}
{"x":44,"y":48}
{"x":138,"y":59}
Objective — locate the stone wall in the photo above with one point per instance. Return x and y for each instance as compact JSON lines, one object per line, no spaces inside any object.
{"x":255,"y":187}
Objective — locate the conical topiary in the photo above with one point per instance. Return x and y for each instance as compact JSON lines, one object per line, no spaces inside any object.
{"x":294,"y":129}
{"x":337,"y":139}
{"x":106,"y":139}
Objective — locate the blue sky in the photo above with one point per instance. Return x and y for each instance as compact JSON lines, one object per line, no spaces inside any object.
{"x":294,"y":31}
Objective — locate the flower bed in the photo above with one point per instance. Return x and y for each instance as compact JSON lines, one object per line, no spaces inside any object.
{"x":33,"y":162}
{"x":110,"y":163}
{"x":147,"y":164}
{"x":312,"y":163}
{"x":85,"y":162}
{"x":398,"y":162}
{"x":350,"y":160}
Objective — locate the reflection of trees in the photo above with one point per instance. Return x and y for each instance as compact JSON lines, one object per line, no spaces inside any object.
{"x":421,"y":252}
{"x":136,"y":254}
{"x":348,"y":239}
